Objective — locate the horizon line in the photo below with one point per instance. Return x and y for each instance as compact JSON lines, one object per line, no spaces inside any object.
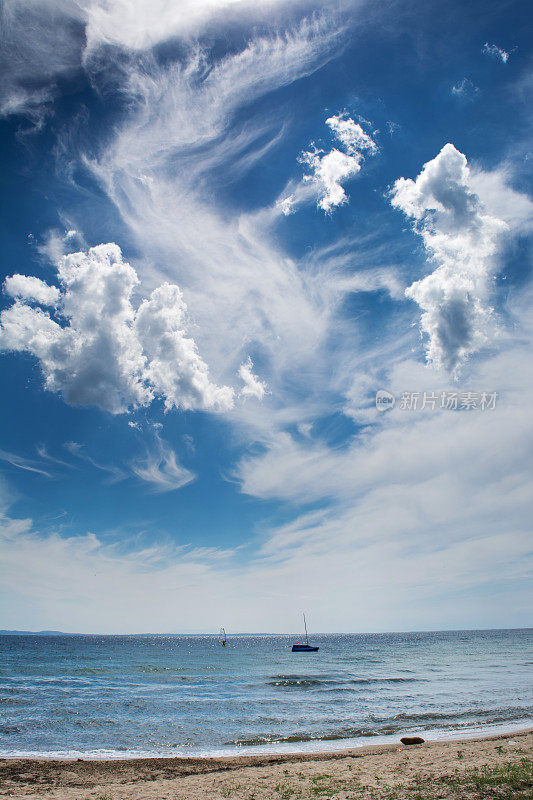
{"x":49,"y":632}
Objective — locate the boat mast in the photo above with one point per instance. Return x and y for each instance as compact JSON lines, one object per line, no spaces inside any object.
{"x":305,"y":625}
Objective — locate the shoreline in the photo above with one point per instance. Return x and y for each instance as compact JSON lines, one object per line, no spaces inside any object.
{"x":259,"y":759}
{"x":314,"y":748}
{"x":252,"y":776}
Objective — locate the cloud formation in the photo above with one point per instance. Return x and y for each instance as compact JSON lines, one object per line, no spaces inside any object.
{"x":496,"y":52}
{"x":253,"y":387}
{"x":330,"y":170}
{"x":99,"y":350}
{"x":141,"y":24}
{"x":183,"y":131}
{"x":22,"y":463}
{"x":29,"y":288}
{"x":161,"y":470}
{"x":462,"y":239}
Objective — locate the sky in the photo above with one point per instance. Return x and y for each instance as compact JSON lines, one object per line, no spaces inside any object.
{"x":266,"y":315}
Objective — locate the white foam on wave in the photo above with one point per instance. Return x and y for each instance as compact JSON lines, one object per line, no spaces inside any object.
{"x":287,"y":748}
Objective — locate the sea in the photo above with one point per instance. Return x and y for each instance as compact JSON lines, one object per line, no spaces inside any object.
{"x":125,"y":696}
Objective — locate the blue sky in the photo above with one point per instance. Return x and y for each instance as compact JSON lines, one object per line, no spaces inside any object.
{"x":225,"y":227}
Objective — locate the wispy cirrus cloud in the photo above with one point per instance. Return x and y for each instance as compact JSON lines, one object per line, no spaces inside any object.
{"x":78,"y":450}
{"x":160,"y":468}
{"x":43,"y":453}
{"x":26,"y":464}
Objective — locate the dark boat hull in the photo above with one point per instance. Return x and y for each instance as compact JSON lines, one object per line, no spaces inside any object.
{"x":303,"y":648}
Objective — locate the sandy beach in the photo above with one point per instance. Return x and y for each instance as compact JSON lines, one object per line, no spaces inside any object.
{"x":496,"y":766}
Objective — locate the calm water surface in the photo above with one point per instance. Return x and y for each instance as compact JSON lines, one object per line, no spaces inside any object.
{"x":119,"y":695}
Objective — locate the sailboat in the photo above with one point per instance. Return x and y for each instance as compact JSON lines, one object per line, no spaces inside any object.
{"x":222,"y":638}
{"x":304,"y":648}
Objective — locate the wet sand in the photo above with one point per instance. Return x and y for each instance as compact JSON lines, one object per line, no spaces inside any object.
{"x":368,"y":772}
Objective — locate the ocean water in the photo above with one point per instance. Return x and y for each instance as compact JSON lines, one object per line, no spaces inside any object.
{"x":113,"y":696}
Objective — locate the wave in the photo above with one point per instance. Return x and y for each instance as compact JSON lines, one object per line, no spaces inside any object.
{"x":312,"y":681}
{"x":387,"y":726}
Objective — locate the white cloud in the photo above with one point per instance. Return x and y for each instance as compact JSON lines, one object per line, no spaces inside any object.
{"x":501,"y":200}
{"x":174,"y":369}
{"x":286,"y":205}
{"x":253,"y":387}
{"x":496,"y":52}
{"x":462,"y":239}
{"x":57,"y":244}
{"x":132,"y":582}
{"x":108,"y":354}
{"x":330,"y":170}
{"x":27,"y":287}
{"x":161,"y":470}
{"x":351,"y":135}
{"x":141,"y":24}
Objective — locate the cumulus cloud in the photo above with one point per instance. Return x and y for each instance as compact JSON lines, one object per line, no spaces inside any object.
{"x":351,"y":135}
{"x":28,"y":288}
{"x":330,"y":170}
{"x":496,"y":52}
{"x":253,"y":387}
{"x":462,"y":239}
{"x":102,"y":351}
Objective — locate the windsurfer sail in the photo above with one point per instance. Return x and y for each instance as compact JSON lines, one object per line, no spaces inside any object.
{"x":222,"y":638}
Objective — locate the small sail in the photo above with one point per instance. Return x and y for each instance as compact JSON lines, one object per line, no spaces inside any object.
{"x":222,"y":637}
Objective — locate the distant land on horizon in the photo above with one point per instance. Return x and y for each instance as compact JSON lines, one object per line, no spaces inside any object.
{"x":34,"y":633}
